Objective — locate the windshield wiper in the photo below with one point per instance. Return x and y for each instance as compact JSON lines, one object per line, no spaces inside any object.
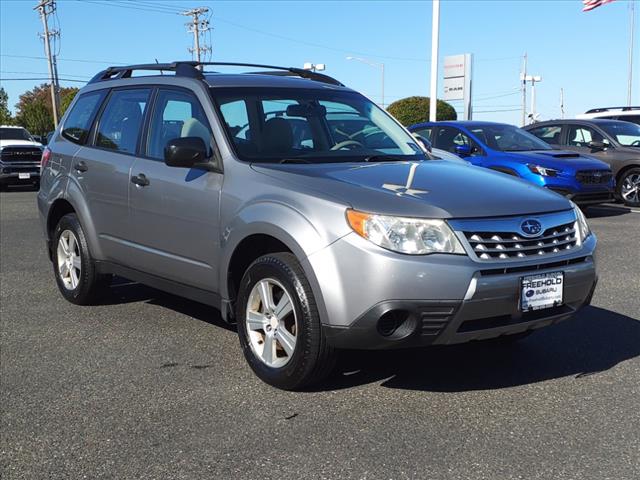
{"x":391,"y":158}
{"x":294,"y":160}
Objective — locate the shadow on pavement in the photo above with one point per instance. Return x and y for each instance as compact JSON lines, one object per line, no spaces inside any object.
{"x":594,"y":341}
{"x":125,"y":291}
{"x":606,"y":211}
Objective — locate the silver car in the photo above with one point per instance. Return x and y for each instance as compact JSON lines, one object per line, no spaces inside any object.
{"x":305,"y":213}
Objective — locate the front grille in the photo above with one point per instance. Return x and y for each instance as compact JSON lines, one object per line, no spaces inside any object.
{"x":435,"y":318}
{"x":20,"y":154}
{"x":511,"y":245}
{"x":594,"y":177}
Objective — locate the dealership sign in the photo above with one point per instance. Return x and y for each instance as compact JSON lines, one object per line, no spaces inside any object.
{"x":457,"y":80}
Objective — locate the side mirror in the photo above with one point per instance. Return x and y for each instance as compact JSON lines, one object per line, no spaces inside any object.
{"x":186,"y":152}
{"x":463,"y":150}
{"x":423,"y":142}
{"x":593,"y":145}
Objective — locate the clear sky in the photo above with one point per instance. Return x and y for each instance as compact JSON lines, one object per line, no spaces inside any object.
{"x":584,"y":53}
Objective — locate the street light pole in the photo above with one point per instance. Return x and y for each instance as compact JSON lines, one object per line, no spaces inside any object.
{"x":376,"y":65}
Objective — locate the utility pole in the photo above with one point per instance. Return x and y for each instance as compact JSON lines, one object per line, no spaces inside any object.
{"x":198,"y":26}
{"x":632,"y":28}
{"x":46,"y":8}
{"x":533,"y":79}
{"x":523,"y":77}
{"x":435,"y":37}
{"x":562,"y":103}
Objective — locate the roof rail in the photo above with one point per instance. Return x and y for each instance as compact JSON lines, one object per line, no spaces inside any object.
{"x":606,"y":109}
{"x":190,"y":69}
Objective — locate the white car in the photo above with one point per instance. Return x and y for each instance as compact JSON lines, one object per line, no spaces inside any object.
{"x":627,"y":114}
{"x":19,"y":157}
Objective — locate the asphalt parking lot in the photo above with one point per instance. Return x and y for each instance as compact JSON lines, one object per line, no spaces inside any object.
{"x":149,"y":385}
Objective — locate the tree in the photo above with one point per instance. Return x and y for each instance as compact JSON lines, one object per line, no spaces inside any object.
{"x":412,"y":110}
{"x":5,"y":114}
{"x":35,"y":111}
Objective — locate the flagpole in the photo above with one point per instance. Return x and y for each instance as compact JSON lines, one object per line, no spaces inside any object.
{"x":632,"y":25}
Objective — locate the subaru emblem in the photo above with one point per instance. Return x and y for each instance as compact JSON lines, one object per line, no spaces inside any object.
{"x":531,"y":227}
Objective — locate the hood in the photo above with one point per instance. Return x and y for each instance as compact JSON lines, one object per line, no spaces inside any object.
{"x":429,"y":189}
{"x":560,"y":159}
{"x":19,"y":143}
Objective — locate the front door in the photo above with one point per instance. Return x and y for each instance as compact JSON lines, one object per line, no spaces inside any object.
{"x":174,"y":211}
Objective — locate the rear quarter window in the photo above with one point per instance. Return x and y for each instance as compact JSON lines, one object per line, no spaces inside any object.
{"x":78,"y":123}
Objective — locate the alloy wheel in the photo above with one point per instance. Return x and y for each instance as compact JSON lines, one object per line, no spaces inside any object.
{"x":271,"y":323}
{"x":630,"y":190}
{"x":69,"y":262}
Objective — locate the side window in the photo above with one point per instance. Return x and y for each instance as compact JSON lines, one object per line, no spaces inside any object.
{"x":78,"y":123}
{"x":424,"y":132}
{"x":580,"y":136}
{"x":121,"y":121}
{"x":177,"y":114}
{"x":448,"y":138}
{"x":550,"y":134}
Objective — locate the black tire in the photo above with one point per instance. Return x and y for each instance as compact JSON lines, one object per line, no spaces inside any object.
{"x":90,"y":285}
{"x":312,"y":358}
{"x":626,"y":175}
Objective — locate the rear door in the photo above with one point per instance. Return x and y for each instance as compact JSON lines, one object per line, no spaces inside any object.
{"x":174,"y":211}
{"x":102,"y":167}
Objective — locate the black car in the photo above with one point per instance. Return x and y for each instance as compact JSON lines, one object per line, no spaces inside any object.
{"x":612,"y":141}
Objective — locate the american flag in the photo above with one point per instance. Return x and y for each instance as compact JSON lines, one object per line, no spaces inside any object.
{"x":591,"y":4}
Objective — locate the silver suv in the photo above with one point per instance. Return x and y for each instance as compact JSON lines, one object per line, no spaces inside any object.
{"x":305,"y":213}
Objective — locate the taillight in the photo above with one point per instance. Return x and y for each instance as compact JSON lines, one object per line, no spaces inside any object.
{"x":46,"y":155}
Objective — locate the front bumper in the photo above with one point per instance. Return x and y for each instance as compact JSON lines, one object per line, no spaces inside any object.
{"x":10,"y":173}
{"x":443,"y":299}
{"x":586,"y":198}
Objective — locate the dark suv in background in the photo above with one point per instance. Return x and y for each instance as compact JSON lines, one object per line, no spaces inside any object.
{"x":612,"y":141}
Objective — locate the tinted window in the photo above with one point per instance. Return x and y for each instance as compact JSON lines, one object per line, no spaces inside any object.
{"x":78,"y":122}
{"x":176,"y":114}
{"x":507,"y":138}
{"x":448,"y":138}
{"x":550,"y":134}
{"x":630,"y":118}
{"x":580,"y":136}
{"x":121,"y":120}
{"x":423,"y":132}
{"x":626,"y":133}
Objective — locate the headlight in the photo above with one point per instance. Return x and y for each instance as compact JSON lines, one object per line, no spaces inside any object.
{"x":581,"y":226}
{"x":413,"y":236}
{"x":544,"y":171}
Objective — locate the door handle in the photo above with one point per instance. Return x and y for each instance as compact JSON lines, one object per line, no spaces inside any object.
{"x":140,"y":180}
{"x":81,"y":166}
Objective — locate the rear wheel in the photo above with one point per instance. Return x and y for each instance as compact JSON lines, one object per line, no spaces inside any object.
{"x":279,"y":326}
{"x":74,"y":268}
{"x":629,"y":187}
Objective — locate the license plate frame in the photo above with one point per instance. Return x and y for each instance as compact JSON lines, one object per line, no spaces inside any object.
{"x":541,"y":290}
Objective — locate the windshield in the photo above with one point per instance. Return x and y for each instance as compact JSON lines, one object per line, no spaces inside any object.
{"x":14,"y":134}
{"x":310,"y":126}
{"x":507,"y":138}
{"x":626,"y":134}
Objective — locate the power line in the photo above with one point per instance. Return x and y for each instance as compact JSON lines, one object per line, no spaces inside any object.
{"x":41,"y":73}
{"x":42,"y":78}
{"x":102,"y":62}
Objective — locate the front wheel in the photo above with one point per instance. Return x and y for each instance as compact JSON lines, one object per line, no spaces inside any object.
{"x":629,"y":187}
{"x":279,"y":326}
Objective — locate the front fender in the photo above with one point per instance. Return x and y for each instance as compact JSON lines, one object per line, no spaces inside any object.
{"x":289,"y":226}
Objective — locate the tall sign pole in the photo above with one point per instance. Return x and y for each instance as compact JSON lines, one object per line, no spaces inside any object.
{"x":632,"y":26}
{"x":523,"y":77}
{"x":435,"y":34}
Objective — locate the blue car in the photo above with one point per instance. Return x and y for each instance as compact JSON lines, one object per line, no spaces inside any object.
{"x":513,"y":151}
